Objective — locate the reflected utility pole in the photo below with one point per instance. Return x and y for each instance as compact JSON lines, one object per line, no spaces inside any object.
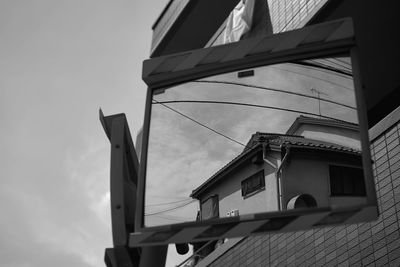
{"x":318,"y":93}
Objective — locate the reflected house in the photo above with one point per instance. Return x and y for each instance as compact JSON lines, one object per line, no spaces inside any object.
{"x":316,"y":163}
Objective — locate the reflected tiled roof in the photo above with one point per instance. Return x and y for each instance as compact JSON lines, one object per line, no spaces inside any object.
{"x":259,"y":139}
{"x":296,"y":140}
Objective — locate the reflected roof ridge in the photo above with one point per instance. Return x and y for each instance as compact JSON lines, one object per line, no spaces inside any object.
{"x":321,"y":121}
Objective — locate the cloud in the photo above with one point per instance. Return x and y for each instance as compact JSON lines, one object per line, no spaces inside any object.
{"x":32,"y":235}
{"x":31,"y":254}
{"x":59,"y":211}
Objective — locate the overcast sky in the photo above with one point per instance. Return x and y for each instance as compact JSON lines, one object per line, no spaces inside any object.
{"x":59,"y":62}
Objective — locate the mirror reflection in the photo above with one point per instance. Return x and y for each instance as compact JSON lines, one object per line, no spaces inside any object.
{"x":270,"y":138}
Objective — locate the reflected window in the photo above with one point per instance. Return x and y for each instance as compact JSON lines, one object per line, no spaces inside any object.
{"x":253,"y":184}
{"x":346,"y":181}
{"x":210,"y":208}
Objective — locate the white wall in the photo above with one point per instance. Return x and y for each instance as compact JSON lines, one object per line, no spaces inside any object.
{"x":345,"y":137}
{"x":230,"y":194}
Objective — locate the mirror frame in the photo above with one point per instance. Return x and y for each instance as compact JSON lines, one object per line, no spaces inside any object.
{"x":319,"y":40}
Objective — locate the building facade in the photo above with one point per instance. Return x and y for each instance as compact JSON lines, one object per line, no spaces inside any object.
{"x":278,"y":16}
{"x":367,"y":244}
{"x":288,"y":15}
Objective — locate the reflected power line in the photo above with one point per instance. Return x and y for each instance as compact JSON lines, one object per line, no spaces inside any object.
{"x":163,"y":103}
{"x":276,"y":90}
{"x":167,"y":203}
{"x":197,"y":122}
{"x":241,"y":104}
{"x":320,"y":65}
{"x":324,"y":80}
{"x":170,"y":209}
{"x":174,"y":218}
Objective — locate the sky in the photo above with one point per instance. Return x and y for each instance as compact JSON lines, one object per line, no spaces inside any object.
{"x":183,"y":154}
{"x":60,"y":61}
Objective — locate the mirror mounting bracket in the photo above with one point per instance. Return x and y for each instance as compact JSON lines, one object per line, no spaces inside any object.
{"x":123,"y":183}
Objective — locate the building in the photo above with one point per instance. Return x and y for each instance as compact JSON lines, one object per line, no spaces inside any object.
{"x":170,"y":35}
{"x":277,"y":172}
{"x":186,"y":25}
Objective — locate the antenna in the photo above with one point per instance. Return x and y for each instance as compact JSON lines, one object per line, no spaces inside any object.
{"x":318,"y":93}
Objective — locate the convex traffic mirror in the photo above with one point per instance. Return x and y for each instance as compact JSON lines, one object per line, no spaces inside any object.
{"x":262,"y":135}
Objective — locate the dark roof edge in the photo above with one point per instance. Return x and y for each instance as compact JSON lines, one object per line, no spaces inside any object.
{"x":346,"y":151}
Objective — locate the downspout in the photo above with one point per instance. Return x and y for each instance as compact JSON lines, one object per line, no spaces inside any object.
{"x":278,"y":188}
{"x":284,"y":159}
{"x":278,"y":178}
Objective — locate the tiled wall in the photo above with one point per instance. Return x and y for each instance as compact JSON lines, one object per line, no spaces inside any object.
{"x":292,"y":14}
{"x":285,"y":15}
{"x":367,"y":244}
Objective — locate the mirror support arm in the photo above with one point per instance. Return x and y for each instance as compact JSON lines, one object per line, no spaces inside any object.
{"x":123,"y":183}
